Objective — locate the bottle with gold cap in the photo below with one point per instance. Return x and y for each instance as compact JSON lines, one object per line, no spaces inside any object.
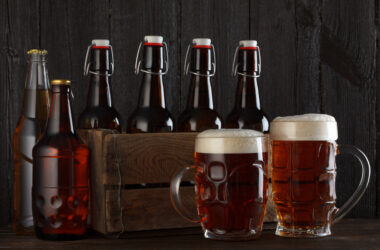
{"x":60,"y":173}
{"x":151,"y":114}
{"x":247,"y":112}
{"x":99,"y":66}
{"x":30,"y":126}
{"x":200,"y":114}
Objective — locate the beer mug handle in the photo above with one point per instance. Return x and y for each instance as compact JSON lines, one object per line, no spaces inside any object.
{"x":176,"y":198}
{"x":363,"y":184}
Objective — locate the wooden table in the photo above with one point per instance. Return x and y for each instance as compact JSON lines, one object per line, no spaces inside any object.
{"x":348,"y":234}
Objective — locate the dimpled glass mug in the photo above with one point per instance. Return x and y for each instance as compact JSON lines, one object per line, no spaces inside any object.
{"x":231,"y":183}
{"x":303,"y":171}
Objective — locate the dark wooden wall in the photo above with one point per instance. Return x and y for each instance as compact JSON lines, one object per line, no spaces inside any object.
{"x":318,"y":56}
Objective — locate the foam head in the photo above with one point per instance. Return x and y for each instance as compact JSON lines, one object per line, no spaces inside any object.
{"x":231,"y":141}
{"x":307,"y":127}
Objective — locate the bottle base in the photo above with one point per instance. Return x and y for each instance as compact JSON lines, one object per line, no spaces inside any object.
{"x":21,"y":230}
{"x":58,"y":237}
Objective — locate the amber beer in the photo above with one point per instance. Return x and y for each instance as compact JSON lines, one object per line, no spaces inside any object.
{"x":303,"y":174}
{"x":60,"y":173}
{"x":231,"y":183}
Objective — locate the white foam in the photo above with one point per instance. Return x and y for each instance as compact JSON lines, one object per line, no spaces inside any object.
{"x":306,"y":127}
{"x":231,"y":141}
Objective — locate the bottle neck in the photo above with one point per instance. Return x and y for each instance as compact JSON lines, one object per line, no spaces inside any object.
{"x":152,"y":91}
{"x":99,"y":92}
{"x":247,"y":94}
{"x":200,"y":94}
{"x":37,"y":76}
{"x":60,"y":119}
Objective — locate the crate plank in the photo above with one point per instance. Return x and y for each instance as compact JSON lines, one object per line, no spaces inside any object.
{"x":146,"y":209}
{"x":149,"y":158}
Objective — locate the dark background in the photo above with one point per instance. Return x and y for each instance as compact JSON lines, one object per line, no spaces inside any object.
{"x":318,"y":56}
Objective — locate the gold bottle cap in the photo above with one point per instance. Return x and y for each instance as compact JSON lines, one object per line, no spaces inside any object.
{"x":60,"y":82}
{"x":37,"y":51}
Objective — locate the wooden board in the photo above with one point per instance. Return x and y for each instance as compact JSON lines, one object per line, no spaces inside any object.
{"x":348,"y":90}
{"x":152,"y":158}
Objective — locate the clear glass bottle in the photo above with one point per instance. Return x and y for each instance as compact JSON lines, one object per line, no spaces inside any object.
{"x":30,"y":126}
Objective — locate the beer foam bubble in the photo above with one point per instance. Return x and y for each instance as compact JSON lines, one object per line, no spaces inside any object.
{"x":231,"y":141}
{"x":306,"y":127}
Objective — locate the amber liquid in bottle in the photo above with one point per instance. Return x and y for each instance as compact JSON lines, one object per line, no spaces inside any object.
{"x":247,"y":113}
{"x":199,"y":114}
{"x":60,"y":173}
{"x":151,"y":115}
{"x":99,"y":112}
{"x":30,"y":126}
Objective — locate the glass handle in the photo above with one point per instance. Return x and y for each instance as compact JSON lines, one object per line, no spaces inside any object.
{"x":176,"y":198}
{"x":363,"y":184}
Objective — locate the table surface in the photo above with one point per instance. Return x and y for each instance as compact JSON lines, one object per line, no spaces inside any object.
{"x":347,"y":234}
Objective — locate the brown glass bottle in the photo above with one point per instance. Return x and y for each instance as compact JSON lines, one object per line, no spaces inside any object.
{"x":247,"y":113}
{"x":99,"y":112}
{"x":151,"y":114}
{"x":60,"y":173}
{"x":199,"y":114}
{"x":30,"y":126}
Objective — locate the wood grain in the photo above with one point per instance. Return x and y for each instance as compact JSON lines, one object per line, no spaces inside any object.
{"x":348,"y":89}
{"x":225,"y":22}
{"x":19,"y":32}
{"x":345,"y":236}
{"x":146,"y":158}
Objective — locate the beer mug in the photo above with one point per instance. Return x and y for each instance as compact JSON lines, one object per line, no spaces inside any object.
{"x":231,"y":183}
{"x":303,"y":174}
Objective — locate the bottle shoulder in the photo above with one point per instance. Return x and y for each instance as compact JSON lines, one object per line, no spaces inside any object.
{"x":150,"y":120}
{"x":197,"y":120}
{"x":100,"y":117}
{"x":60,"y":144}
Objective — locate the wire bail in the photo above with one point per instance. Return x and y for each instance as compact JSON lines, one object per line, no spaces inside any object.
{"x":86,"y":68}
{"x":187,"y":64}
{"x":138,"y":62}
{"x":235,"y":65}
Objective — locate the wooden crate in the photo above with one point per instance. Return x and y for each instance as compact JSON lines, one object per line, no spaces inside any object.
{"x":120,"y":163}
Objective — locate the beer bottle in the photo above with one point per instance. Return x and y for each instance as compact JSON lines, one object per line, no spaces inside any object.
{"x":99,"y":112}
{"x":199,"y":114}
{"x":30,"y":126}
{"x":247,"y":113}
{"x":60,"y":173}
{"x":151,"y":114}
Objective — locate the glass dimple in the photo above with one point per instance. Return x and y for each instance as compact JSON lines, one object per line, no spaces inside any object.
{"x":56,"y":201}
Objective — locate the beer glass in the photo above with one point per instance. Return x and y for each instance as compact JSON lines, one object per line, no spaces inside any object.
{"x":303,"y":174}
{"x":231,"y":183}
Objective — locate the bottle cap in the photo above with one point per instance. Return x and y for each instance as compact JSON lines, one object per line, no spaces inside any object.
{"x":248,"y":44}
{"x":101,"y":42}
{"x":202,"y":42}
{"x":60,"y":82}
{"x":153,"y":40}
{"x":37,"y":51}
